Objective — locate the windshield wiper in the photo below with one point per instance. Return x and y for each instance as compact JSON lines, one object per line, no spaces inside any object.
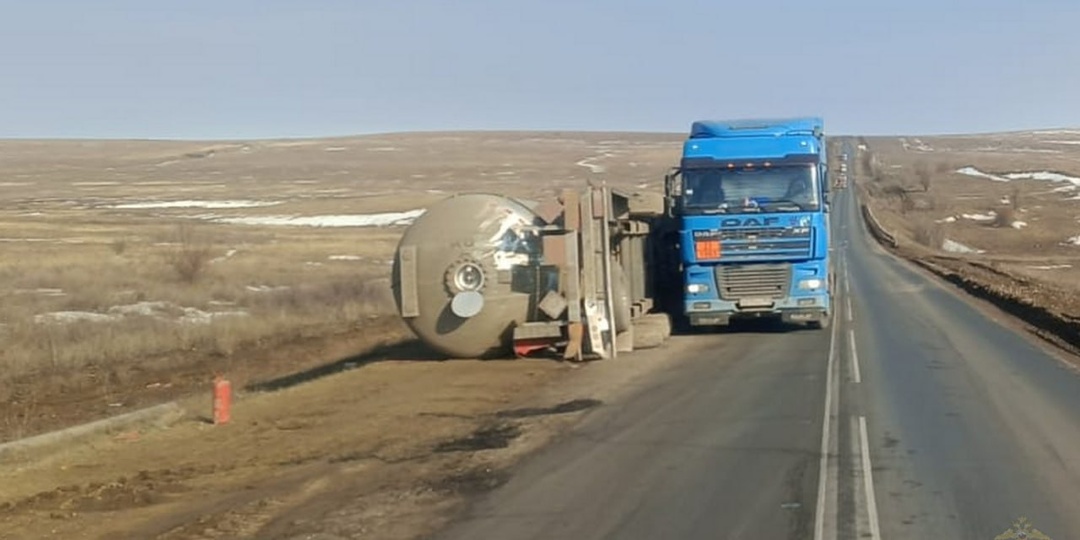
{"x":785,"y":204}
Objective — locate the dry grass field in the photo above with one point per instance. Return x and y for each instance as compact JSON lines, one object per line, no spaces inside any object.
{"x":1001,"y":211}
{"x":132,"y":270}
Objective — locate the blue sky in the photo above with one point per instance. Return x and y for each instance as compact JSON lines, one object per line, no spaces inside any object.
{"x":270,"y":68}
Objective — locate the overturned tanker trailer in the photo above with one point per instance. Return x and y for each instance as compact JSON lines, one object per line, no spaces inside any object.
{"x":481,"y":275}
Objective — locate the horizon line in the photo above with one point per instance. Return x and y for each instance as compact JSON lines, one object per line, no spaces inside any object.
{"x":354,"y":135}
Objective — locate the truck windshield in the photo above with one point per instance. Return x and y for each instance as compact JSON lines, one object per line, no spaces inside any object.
{"x":777,"y":189}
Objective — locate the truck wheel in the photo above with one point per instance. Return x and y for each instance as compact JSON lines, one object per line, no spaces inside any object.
{"x":821,"y":323}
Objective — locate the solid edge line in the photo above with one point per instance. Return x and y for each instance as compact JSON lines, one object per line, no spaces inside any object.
{"x":823,"y":465}
{"x":854,"y":358}
{"x":850,"y":313}
{"x":868,"y":481}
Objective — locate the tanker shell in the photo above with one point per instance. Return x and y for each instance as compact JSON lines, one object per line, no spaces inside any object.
{"x":461,"y":246}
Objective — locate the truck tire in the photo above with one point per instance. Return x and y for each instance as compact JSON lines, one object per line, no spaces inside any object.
{"x":821,"y":323}
{"x":648,"y":336}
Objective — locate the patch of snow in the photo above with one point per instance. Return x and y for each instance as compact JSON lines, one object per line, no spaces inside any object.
{"x":1019,"y":224}
{"x":921,"y":146}
{"x":345,"y":258}
{"x":387,"y":219}
{"x":267,"y":288}
{"x":71,"y":316}
{"x":228,"y":254}
{"x":956,"y":247}
{"x":1046,"y":176}
{"x":305,"y":181}
{"x":384,"y":149}
{"x":1051,"y":267}
{"x":972,"y":171}
{"x":42,"y":292}
{"x":197,"y":204}
{"x":950,"y":219}
{"x":312,"y":263}
{"x":1074,"y":241}
{"x":334,"y":149}
{"x":95,"y":183}
{"x":980,"y":217}
{"x":15,"y":184}
{"x":196,"y":316}
{"x":145,"y":309}
{"x":31,"y":214}
{"x":159,"y":309}
{"x":1062,"y":142}
{"x":1056,"y":132}
{"x":588,"y":162}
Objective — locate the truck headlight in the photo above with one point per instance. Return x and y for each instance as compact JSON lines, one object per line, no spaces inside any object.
{"x":810,"y":284}
{"x":697,"y":288}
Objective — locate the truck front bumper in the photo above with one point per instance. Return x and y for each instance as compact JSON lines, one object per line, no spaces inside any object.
{"x":790,"y":309}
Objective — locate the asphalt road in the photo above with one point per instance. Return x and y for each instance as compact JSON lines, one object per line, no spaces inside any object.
{"x":915,"y":415}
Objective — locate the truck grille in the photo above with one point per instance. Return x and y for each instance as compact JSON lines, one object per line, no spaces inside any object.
{"x":737,"y":281}
{"x":766,"y":243}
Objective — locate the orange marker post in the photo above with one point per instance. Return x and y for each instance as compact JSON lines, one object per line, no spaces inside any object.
{"x":222,"y":400}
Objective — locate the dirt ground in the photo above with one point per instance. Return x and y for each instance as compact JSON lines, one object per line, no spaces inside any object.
{"x":392,"y":448}
{"x":350,"y":455}
{"x":344,"y":427}
{"x":997,"y":214}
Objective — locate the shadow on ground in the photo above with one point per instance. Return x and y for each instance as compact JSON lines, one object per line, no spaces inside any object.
{"x":763,"y":325}
{"x":410,"y":350}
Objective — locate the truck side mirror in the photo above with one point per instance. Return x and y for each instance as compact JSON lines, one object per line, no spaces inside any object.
{"x":672,"y":190}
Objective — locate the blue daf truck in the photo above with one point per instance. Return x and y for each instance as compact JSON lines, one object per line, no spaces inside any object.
{"x":748,"y":233}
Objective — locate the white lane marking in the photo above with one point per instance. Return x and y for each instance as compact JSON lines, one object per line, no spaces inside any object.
{"x":854,"y":358}
{"x":850,"y":314}
{"x":823,"y":465}
{"x":868,"y":482}
{"x":847,"y":281}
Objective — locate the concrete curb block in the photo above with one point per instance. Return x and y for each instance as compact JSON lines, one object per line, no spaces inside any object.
{"x":160,"y":415}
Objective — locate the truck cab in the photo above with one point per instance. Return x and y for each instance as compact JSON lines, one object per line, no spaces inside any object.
{"x":749,"y":210}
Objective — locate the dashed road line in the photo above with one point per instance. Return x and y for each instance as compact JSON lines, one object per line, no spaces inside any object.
{"x":854,"y":357}
{"x":868,"y":482}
